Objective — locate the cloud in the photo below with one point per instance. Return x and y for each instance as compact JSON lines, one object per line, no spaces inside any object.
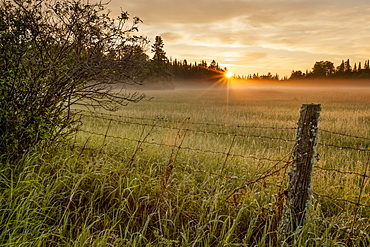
{"x":255,"y":55}
{"x":190,"y":11}
{"x":171,"y":37}
{"x":286,"y":33}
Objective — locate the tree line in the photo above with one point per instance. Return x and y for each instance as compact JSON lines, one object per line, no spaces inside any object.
{"x":326,"y":69}
{"x":183,"y":70}
{"x":320,"y":70}
{"x":197,"y":70}
{"x":164,"y":70}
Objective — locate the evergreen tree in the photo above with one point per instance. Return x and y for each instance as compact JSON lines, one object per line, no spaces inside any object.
{"x":213,"y":65}
{"x":340,"y":69}
{"x":366,"y":66}
{"x":347,"y":67}
{"x":159,"y":54}
{"x":159,"y":65}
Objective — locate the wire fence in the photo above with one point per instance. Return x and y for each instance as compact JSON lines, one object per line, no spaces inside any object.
{"x":343,"y":160}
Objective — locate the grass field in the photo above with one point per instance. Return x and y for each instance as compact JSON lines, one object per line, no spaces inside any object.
{"x":172,"y":170}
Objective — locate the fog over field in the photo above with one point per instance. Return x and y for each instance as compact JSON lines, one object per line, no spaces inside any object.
{"x":283,"y":85}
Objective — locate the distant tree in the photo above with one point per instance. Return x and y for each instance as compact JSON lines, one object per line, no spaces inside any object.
{"x":266,"y":77}
{"x":365,"y":72}
{"x":367,"y":66}
{"x":347,"y":67}
{"x":297,"y":75}
{"x":344,"y":70}
{"x":323,"y":69}
{"x":203,"y":64}
{"x":213,"y":65}
{"x":159,"y":71}
{"x":129,"y":63}
{"x":340,"y":69}
{"x":196,"y":71}
{"x":159,"y":56}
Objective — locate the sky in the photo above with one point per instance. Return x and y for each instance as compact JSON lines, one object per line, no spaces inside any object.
{"x":255,"y":36}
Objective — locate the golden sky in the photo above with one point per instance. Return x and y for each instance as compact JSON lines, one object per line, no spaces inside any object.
{"x":255,"y":36}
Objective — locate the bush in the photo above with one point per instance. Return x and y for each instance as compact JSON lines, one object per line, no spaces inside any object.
{"x":56,"y":54}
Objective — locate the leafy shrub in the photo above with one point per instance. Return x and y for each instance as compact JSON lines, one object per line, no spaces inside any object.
{"x":56,"y":54}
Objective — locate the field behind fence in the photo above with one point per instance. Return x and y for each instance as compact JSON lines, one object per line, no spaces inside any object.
{"x":240,"y":162}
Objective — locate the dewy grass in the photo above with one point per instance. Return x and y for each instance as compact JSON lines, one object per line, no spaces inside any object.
{"x":108,"y":190}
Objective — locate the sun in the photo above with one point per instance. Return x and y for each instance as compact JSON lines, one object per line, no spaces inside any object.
{"x":229,"y":74}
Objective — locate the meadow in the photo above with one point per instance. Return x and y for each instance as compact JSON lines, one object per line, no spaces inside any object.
{"x":195,"y":167}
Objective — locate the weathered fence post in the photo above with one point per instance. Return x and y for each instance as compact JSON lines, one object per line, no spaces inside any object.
{"x":299,"y":189}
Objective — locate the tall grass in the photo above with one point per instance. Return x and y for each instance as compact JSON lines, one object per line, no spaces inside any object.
{"x":102,"y":191}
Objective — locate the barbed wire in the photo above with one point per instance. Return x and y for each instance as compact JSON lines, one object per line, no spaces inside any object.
{"x":270,"y":172}
{"x":342,"y":200}
{"x":262,"y":176}
{"x":341,"y":134}
{"x":189,"y":122}
{"x":341,"y":172}
{"x":247,"y":181}
{"x":81,"y":112}
{"x":195,"y":130}
{"x":228,"y":134}
{"x":223,"y":125}
{"x":344,"y":147}
{"x":185,"y":148}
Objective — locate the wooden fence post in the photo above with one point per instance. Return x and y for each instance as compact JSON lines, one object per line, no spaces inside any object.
{"x":299,"y":189}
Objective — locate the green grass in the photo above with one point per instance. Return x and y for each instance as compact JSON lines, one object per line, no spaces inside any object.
{"x":98,"y":190}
